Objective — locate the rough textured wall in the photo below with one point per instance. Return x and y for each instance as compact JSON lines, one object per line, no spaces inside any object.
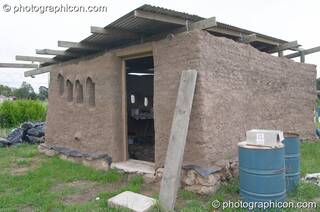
{"x":248,"y":89}
{"x":171,"y":57}
{"x":88,"y":129}
{"x":238,"y":88}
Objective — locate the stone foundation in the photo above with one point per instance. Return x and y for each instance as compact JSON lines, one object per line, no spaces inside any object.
{"x":193,"y":178}
{"x":99,"y":162}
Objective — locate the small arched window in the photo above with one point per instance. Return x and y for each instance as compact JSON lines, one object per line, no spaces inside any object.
{"x":69,"y":91}
{"x":79,"y":92}
{"x":90,"y":87}
{"x":61,"y":84}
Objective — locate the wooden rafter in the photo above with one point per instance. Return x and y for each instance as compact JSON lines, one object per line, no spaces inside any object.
{"x":304,"y":52}
{"x":35,"y":59}
{"x":55,"y":52}
{"x":76,"y":45}
{"x":285,"y":46}
{"x":18,"y":65}
{"x":160,"y":17}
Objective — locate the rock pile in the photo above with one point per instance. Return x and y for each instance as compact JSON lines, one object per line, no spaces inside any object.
{"x":28,"y":132}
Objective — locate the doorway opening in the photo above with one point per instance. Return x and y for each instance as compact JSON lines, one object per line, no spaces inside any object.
{"x":140,"y":119}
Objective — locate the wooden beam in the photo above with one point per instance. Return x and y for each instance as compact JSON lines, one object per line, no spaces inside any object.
{"x":18,"y":65}
{"x":179,"y":130}
{"x":35,"y":59}
{"x":37,"y":71}
{"x":204,"y":24}
{"x":76,"y":45}
{"x":305,"y":52}
{"x":285,"y":46}
{"x":113,"y":31}
{"x":55,"y":52}
{"x":134,"y":50}
{"x":160,"y":17}
{"x":248,"y":38}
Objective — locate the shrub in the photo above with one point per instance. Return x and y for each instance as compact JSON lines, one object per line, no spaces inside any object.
{"x":13,"y":113}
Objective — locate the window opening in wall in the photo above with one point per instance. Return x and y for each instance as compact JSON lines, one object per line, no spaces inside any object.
{"x":61,"y":84}
{"x":90,"y":85}
{"x":69,"y":91}
{"x":140,"y":121}
{"x":79,"y":92}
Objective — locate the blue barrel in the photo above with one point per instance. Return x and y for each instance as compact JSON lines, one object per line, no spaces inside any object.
{"x":262,"y":173}
{"x":292,"y":160}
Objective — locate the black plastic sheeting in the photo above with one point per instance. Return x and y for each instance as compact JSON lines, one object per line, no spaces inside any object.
{"x":28,"y":132}
{"x":77,"y":153}
{"x":204,"y":172}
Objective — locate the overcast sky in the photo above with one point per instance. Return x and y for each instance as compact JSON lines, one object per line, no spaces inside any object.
{"x":22,"y":33}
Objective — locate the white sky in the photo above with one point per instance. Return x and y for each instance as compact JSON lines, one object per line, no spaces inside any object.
{"x":22,"y":33}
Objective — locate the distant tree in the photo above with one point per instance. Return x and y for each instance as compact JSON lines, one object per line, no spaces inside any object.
{"x":26,"y":91}
{"x":43,"y":93}
{"x":6,"y":91}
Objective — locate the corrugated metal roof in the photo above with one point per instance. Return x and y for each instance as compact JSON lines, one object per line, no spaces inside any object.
{"x":147,"y":28}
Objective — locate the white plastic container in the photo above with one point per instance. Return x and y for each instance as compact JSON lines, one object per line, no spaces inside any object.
{"x":261,"y":137}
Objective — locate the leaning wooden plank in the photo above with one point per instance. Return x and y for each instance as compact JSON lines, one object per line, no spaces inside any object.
{"x":55,"y":52}
{"x":179,"y":129}
{"x":37,"y":71}
{"x":159,"y":17}
{"x":35,"y":59}
{"x":18,"y":65}
{"x":76,"y":45}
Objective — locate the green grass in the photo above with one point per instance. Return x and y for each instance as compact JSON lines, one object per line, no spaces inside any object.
{"x":36,"y":189}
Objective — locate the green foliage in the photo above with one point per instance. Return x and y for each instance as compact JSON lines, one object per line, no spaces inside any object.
{"x":6,"y":91}
{"x":25,"y":92}
{"x":13,"y":113}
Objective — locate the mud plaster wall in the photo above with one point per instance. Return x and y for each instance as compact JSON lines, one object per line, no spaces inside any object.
{"x":97,"y":129}
{"x":238,"y":88}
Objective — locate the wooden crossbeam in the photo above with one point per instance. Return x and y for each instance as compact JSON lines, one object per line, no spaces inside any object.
{"x":304,"y":52}
{"x":37,"y":71}
{"x":160,"y":17}
{"x":77,"y":45}
{"x":35,"y":59}
{"x":55,"y":52}
{"x":204,"y":24}
{"x":18,"y":65}
{"x":113,"y":31}
{"x":285,"y":46}
{"x":248,"y":38}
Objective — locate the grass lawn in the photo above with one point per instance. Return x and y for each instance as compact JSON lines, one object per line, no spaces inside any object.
{"x":30,"y":181}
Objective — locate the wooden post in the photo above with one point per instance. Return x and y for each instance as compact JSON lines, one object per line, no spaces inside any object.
{"x":179,"y":129}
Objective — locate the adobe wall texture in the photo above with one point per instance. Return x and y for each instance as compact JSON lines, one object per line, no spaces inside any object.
{"x":77,"y":126}
{"x":238,"y":88}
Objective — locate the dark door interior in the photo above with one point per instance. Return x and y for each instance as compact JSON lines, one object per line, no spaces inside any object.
{"x":139,"y":84}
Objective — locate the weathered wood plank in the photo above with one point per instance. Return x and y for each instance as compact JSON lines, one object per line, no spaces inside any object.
{"x":109,"y":31}
{"x":204,"y":24}
{"x":55,"y":52}
{"x":76,"y":45}
{"x":248,"y":38}
{"x":285,"y":46}
{"x":37,"y":71}
{"x":35,"y":59}
{"x":159,"y":17}
{"x":179,"y":129}
{"x":18,"y":65}
{"x":305,"y":52}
